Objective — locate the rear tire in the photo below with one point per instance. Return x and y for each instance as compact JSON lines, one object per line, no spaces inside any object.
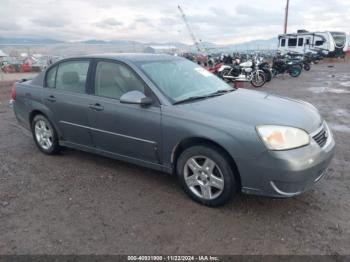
{"x":45,"y":135}
{"x":260,"y":81}
{"x":223,"y":73}
{"x":307,"y":67}
{"x":206,"y":175}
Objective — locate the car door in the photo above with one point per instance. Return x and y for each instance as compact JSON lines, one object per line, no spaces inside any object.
{"x":65,"y":97}
{"x":124,"y":129}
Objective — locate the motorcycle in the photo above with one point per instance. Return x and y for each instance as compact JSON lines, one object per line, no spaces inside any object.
{"x":246,"y":72}
{"x":215,"y":68}
{"x":280,"y":66}
{"x":299,"y":59}
{"x":264,"y":66}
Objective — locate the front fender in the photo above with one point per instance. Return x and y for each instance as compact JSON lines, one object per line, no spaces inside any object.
{"x":223,"y":67}
{"x":238,"y":139}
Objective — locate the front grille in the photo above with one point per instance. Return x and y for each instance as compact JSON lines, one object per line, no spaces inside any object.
{"x":321,"y":137}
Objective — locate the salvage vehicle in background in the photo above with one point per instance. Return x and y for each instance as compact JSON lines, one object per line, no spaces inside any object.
{"x":169,"y":114}
{"x":7,"y":68}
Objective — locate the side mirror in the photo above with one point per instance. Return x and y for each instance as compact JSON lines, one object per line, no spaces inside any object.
{"x":136,"y":97}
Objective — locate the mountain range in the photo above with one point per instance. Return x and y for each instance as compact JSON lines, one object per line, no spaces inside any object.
{"x":127,"y":45}
{"x":96,"y":45}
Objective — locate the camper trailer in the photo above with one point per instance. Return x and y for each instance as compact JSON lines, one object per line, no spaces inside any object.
{"x":333,"y":44}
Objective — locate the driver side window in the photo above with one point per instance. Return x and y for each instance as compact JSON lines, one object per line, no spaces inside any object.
{"x":112,"y":80}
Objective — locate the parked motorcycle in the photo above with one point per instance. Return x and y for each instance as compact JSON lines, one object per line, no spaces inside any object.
{"x":281,"y":66}
{"x":214,"y":68}
{"x":300,"y":59}
{"x":265,"y":67}
{"x":246,"y":72}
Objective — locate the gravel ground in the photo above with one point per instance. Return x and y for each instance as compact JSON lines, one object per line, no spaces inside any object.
{"x":79,"y":203}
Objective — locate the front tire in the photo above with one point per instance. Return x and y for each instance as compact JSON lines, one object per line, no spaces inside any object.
{"x":44,"y":135}
{"x":268,"y":75}
{"x":206,"y":175}
{"x":295,"y":71}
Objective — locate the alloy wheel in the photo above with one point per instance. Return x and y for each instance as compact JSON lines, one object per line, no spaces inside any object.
{"x":43,"y":134}
{"x":203,"y":177}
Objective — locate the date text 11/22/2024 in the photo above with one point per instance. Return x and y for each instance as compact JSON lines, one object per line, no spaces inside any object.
{"x":173,"y":258}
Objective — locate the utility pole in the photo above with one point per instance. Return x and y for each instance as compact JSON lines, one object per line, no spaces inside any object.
{"x":286,"y":18}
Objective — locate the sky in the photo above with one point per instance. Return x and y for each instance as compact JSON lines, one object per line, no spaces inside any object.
{"x":220,"y":22}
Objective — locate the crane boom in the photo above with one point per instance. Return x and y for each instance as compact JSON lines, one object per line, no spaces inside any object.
{"x":195,"y":42}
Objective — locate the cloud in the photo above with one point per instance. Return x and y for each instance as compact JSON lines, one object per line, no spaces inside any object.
{"x":159,"y":20}
{"x":50,"y":21}
{"x":9,"y":26}
{"x":108,"y":23}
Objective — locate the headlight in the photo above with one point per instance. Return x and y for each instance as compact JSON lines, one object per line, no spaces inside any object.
{"x":282,"y":137}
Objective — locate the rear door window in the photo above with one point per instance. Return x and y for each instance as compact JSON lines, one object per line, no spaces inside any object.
{"x":71,"y":76}
{"x":112,"y":80}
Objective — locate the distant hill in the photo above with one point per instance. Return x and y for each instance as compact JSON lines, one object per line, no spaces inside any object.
{"x":45,"y":41}
{"x":136,"y":46}
{"x":28,"y":41}
{"x":255,"y":44}
{"x":63,"y":48}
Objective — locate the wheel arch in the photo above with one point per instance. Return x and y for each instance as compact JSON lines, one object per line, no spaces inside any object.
{"x":194,"y":141}
{"x":36,"y":112}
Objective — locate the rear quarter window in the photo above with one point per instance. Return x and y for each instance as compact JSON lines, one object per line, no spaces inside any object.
{"x":51,"y":77}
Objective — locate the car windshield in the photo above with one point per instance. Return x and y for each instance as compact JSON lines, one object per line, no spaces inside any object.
{"x":180,"y":79}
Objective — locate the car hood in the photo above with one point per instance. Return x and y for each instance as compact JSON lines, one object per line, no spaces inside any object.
{"x":256,"y":108}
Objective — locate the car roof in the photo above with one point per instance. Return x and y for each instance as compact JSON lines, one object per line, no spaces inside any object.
{"x":132,"y":57}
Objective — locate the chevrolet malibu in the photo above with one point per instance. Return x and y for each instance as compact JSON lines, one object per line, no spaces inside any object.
{"x":169,"y":114}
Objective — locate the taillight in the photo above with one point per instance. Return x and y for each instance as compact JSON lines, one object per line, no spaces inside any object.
{"x":13,"y":91}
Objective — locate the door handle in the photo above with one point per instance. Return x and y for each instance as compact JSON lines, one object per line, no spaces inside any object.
{"x":51,"y":98}
{"x":96,"y":107}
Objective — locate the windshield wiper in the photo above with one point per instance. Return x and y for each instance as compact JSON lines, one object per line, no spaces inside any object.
{"x":222,"y":91}
{"x":193,"y":98}
{"x":190,"y":99}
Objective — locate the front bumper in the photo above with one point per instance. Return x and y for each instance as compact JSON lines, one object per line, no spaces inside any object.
{"x":287,"y":173}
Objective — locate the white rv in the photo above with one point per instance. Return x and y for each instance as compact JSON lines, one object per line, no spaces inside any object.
{"x":334,"y":44}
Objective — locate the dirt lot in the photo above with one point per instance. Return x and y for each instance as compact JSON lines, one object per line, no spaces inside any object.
{"x":79,"y":203}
